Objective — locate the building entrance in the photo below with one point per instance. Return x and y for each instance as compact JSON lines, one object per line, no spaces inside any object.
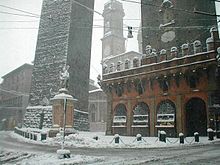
{"x":196,"y":117}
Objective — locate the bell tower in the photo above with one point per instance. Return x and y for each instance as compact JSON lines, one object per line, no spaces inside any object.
{"x":113,"y":42}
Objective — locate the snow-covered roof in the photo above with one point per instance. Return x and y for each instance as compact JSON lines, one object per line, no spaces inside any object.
{"x":80,"y":111}
{"x":122,"y":54}
{"x":63,"y":96}
{"x":96,"y":90}
{"x":39,"y":107}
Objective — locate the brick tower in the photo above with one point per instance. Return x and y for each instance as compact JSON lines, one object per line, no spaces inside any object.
{"x":64,"y":38}
{"x":170,"y":22}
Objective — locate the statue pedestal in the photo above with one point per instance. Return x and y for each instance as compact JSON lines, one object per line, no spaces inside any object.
{"x":62,"y":105}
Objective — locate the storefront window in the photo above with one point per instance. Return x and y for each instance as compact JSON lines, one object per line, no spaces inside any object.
{"x":140,"y":115}
{"x":166,"y":114}
{"x":120,"y":116}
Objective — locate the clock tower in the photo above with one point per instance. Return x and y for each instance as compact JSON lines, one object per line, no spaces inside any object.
{"x":113,"y":42}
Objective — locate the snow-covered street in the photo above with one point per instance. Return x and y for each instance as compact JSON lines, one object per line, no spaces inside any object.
{"x":85,"y":150}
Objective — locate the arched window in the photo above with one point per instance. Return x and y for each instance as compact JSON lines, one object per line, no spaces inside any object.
{"x":111,"y":69}
{"x":127,"y":64}
{"x":166,"y":112}
{"x":141,"y":115}
{"x":120,"y":116}
{"x":119,"y":63}
{"x":135,"y":62}
{"x":92,"y":113}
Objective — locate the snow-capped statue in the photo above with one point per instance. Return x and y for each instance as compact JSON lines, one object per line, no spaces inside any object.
{"x":64,"y":76}
{"x":148,"y":50}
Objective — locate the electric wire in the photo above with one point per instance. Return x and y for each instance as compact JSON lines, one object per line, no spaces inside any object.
{"x":38,"y":16}
{"x":90,"y":9}
{"x":22,"y":15}
{"x":19,"y":21}
{"x":12,"y":8}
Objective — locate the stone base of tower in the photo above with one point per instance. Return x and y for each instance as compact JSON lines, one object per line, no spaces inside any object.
{"x":37,"y":116}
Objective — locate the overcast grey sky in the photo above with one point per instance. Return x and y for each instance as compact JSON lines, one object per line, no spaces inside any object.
{"x":17,"y":46}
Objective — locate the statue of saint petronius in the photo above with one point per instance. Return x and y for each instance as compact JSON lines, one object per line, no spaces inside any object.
{"x":64,"y":76}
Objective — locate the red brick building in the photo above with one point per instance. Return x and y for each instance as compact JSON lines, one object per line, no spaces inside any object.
{"x":174,"y":91}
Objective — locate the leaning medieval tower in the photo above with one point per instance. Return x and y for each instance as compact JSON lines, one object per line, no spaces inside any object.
{"x":64,"y":38}
{"x":167,"y":23}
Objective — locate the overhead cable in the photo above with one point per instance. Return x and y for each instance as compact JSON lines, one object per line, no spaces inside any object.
{"x":23,"y":15}
{"x":12,"y":8}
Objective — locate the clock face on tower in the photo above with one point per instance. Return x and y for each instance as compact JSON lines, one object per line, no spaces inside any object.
{"x":168,"y":36}
{"x":106,"y":50}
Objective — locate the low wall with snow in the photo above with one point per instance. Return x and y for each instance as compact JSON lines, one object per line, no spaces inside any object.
{"x":41,"y":117}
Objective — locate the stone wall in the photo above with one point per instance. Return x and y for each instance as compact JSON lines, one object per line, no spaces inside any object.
{"x":81,"y":120}
{"x":38,"y":117}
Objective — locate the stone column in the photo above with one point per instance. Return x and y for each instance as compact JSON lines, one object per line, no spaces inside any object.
{"x":152,"y":108}
{"x":129,"y":118}
{"x":109,"y":114}
{"x":179,"y":114}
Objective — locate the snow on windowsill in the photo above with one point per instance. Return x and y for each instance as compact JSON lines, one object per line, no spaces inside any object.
{"x":119,"y":126}
{"x":164,"y":126}
{"x":141,"y":126}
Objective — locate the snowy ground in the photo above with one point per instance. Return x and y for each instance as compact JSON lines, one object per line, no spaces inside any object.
{"x":10,"y":157}
{"x":86,"y":140}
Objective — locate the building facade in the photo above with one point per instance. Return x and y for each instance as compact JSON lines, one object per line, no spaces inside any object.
{"x":121,"y":61}
{"x":14,"y":93}
{"x":166,"y":23}
{"x":171,"y":91}
{"x":97,"y":110}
